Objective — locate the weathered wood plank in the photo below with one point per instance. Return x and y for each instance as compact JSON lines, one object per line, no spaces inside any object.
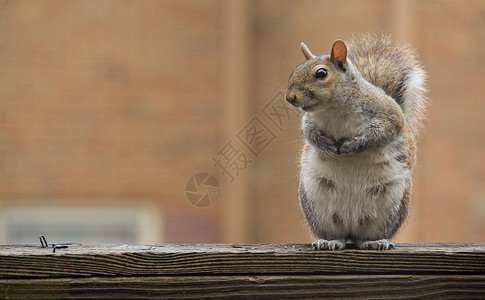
{"x":282,"y":259}
{"x":296,"y":286}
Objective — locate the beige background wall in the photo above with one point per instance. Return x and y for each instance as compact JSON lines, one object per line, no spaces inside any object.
{"x":115,"y":101}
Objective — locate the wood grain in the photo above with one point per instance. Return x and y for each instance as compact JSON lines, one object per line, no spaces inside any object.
{"x":275,"y":286}
{"x":282,"y":259}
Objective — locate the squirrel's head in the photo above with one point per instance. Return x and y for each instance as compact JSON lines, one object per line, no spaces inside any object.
{"x":312,"y":84}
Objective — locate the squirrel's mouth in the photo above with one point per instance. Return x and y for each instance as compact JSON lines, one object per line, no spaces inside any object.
{"x":309,"y":107}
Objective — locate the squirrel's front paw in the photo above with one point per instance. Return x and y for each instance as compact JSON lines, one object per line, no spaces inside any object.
{"x":376,"y":245}
{"x":327,"y":145}
{"x":348,"y":147}
{"x":329,"y":245}
{"x":331,"y":149}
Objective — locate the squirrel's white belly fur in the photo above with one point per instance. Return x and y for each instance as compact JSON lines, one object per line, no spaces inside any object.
{"x":352,"y":196}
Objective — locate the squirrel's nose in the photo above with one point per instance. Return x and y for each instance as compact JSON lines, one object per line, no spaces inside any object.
{"x":291,"y":98}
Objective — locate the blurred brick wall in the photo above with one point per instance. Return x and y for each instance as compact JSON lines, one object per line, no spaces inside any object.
{"x":103,"y":100}
{"x":123,"y":100}
{"x":452,"y":169}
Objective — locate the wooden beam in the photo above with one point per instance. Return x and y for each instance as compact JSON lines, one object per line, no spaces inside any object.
{"x":158,"y":260}
{"x":274,"y":286}
{"x":266,"y":270}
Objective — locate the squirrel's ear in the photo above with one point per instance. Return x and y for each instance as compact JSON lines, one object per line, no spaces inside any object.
{"x":339,"y":52}
{"x":308,"y":54}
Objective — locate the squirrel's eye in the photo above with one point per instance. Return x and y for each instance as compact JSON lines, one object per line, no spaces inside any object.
{"x":321,"y":73}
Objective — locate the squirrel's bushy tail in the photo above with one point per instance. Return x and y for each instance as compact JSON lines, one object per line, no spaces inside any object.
{"x":396,"y":71}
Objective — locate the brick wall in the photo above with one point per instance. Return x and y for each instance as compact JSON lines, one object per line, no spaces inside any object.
{"x":107,"y":100}
{"x":117,"y":100}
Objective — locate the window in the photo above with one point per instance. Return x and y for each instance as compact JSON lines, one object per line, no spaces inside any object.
{"x":97,"y":224}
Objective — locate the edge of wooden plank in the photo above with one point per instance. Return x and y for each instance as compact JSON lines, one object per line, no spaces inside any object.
{"x":74,"y":248}
{"x":155,"y":260}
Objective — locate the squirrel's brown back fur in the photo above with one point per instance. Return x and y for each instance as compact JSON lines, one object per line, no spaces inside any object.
{"x":393,"y":69}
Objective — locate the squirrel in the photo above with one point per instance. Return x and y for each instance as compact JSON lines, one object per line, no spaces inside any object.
{"x":364,"y":104}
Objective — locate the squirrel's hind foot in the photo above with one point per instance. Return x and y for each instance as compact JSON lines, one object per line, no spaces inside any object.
{"x":383,"y":244}
{"x":329,"y":245}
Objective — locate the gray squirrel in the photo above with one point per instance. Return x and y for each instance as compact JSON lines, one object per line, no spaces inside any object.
{"x":364,"y":104}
